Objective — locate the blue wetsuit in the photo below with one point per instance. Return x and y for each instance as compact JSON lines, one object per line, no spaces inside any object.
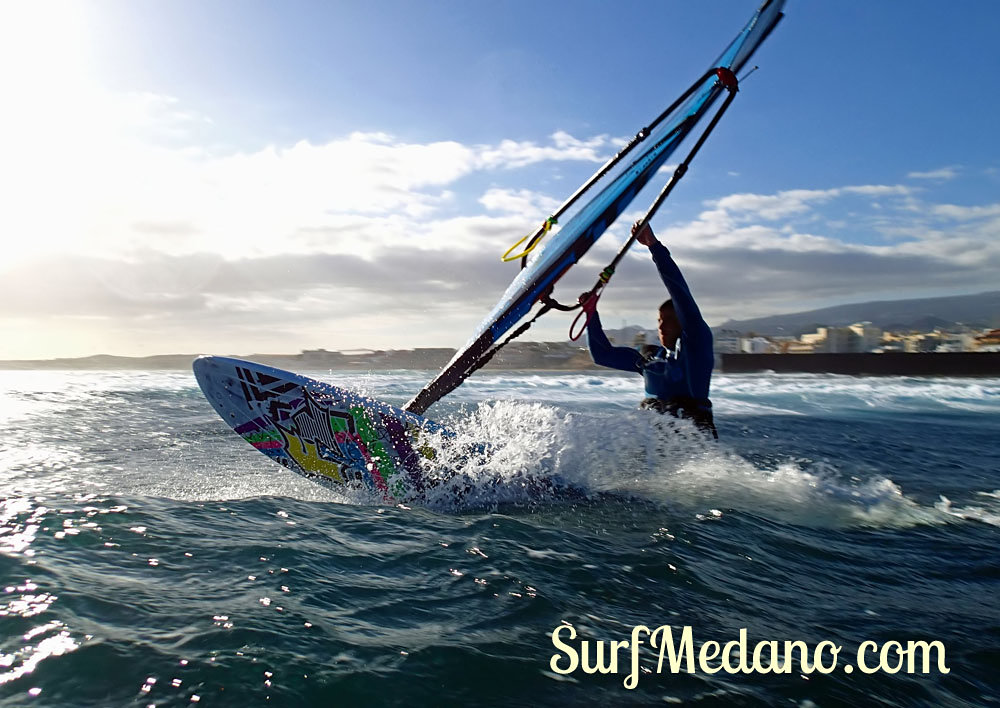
{"x":679,"y":378}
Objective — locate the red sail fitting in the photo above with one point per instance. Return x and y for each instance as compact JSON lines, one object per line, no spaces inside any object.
{"x":728,"y":79}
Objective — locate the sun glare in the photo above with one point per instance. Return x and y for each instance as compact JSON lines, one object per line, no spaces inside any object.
{"x":46,"y":80}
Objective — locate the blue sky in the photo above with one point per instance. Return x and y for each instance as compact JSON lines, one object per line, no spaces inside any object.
{"x":232,"y":177}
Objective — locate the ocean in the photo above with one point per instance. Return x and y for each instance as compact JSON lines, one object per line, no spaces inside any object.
{"x":149,"y":556}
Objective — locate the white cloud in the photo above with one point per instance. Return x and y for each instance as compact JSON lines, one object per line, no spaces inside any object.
{"x":967,"y":213}
{"x":666,"y":171}
{"x":510,"y":153}
{"x":521,"y":202}
{"x":130,"y":173}
{"x":875,"y":190}
{"x":795,"y":201}
{"x":371,"y":240}
{"x":945,"y":173}
{"x":749,"y":255}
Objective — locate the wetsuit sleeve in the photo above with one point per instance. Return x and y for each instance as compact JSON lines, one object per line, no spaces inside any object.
{"x":696,"y":330}
{"x":605,"y":354}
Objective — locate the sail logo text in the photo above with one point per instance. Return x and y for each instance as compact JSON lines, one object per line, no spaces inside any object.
{"x":678,"y":654}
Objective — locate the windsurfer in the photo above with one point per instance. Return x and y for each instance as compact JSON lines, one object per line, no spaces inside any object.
{"x":678,"y":373}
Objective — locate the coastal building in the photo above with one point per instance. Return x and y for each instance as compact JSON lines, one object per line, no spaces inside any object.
{"x":816,"y":340}
{"x":988,"y":341}
{"x":726,"y":341}
{"x":797,"y":347}
{"x":831,"y":340}
{"x":954,"y":342}
{"x":919,"y":343}
{"x":855,"y":338}
{"x":756,"y":345}
{"x":868,"y":336}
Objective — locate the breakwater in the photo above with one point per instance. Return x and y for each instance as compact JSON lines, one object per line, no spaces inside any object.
{"x":888,"y":364}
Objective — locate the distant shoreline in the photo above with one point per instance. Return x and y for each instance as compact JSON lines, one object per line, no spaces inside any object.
{"x":544,"y":356}
{"x":550,"y":357}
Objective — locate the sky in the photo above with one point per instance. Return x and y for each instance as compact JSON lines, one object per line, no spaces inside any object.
{"x":208,"y":176}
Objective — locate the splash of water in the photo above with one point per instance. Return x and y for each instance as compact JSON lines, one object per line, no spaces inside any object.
{"x":510,"y":453}
{"x":986,"y":510}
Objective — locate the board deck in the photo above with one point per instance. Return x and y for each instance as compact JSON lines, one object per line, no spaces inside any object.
{"x":323,"y":432}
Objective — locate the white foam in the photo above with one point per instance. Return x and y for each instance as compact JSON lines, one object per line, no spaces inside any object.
{"x":657,"y":458}
{"x":581,"y":430}
{"x":986,"y":511}
{"x":828,"y":391}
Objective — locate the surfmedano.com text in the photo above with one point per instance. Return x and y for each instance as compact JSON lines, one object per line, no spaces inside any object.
{"x":676,"y":653}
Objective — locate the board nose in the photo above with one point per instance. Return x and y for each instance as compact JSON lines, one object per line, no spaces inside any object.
{"x":220,"y":386}
{"x":202,"y":367}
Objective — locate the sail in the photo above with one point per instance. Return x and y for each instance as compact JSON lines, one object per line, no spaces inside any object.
{"x":581,"y":231}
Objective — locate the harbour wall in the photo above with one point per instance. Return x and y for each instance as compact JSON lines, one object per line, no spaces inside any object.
{"x":888,"y":364}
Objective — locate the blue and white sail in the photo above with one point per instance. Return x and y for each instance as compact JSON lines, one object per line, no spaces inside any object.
{"x":622,"y":179}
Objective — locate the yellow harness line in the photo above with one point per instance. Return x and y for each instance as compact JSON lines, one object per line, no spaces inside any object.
{"x":546,"y":227}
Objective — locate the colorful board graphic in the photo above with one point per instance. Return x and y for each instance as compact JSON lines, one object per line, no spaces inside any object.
{"x":320,"y":431}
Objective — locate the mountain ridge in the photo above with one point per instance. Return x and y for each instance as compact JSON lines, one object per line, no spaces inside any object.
{"x":980,"y":310}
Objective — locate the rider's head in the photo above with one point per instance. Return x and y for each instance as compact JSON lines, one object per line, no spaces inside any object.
{"x":668,"y":326}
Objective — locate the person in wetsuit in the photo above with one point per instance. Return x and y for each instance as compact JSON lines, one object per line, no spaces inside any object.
{"x":678,"y":373}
